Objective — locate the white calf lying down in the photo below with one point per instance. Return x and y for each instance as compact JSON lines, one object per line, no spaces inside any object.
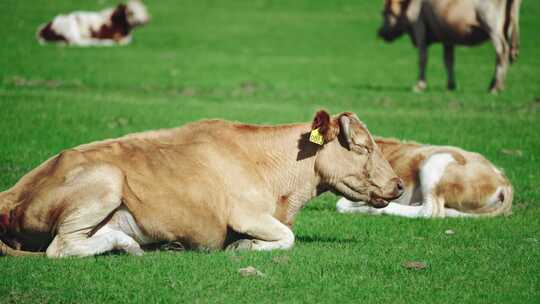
{"x":108,"y":27}
{"x":440,"y":181}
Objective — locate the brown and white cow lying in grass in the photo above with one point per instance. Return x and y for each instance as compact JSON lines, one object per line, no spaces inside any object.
{"x":200,"y":185}
{"x":106,"y":28}
{"x":440,"y":181}
{"x":455,"y":22}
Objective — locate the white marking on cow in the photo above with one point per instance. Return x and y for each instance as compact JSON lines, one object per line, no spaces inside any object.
{"x":431,"y":172}
{"x":346,"y":206}
{"x":105,"y":239}
{"x":494,"y":199}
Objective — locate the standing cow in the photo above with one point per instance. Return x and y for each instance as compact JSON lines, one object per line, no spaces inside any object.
{"x":197,"y":184}
{"x":455,"y":22}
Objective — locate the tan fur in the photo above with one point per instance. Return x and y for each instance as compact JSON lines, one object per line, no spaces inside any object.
{"x":193,"y":184}
{"x":466,"y":184}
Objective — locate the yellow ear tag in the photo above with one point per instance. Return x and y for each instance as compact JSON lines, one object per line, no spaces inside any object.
{"x":316,"y":137}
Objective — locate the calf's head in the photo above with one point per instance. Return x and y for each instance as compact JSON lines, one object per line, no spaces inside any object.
{"x":395,"y":19}
{"x":136,"y":13}
{"x":349,"y":162}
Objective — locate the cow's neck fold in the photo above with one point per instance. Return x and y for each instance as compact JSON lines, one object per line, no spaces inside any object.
{"x":289,"y":168}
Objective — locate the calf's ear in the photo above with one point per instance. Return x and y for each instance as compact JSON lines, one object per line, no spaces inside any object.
{"x":326,"y":126}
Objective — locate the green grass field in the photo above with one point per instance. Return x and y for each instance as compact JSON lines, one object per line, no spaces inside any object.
{"x":274,"y":62}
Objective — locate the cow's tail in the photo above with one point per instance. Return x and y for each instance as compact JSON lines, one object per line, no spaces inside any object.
{"x":511,"y":27}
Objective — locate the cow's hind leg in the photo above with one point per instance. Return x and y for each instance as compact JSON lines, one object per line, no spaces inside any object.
{"x":514,"y":30}
{"x":502,"y":57}
{"x":81,"y":245}
{"x":267,"y":231}
{"x":92,"y":196}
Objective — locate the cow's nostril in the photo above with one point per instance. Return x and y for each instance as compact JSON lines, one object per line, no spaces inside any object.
{"x":399,"y":186}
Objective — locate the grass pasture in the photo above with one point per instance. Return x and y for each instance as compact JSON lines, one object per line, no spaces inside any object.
{"x":270,"y":62}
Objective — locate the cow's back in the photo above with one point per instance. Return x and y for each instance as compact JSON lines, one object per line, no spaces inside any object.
{"x":456,"y":21}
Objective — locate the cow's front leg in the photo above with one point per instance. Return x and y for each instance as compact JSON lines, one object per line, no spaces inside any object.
{"x":449,"y":64}
{"x":502,"y":56}
{"x":267,"y":231}
{"x":421,"y":84}
{"x":346,"y":206}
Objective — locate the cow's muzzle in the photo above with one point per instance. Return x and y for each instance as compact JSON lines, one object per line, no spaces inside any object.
{"x":396,"y":189}
{"x":387,"y":34}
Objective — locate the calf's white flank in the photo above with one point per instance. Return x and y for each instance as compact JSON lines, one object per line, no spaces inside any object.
{"x":105,"y":28}
{"x":208,"y":185}
{"x":440,"y":181}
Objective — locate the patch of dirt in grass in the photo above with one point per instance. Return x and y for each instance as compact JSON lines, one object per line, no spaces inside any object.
{"x":512,"y":152}
{"x":236,"y":258}
{"x":190,"y":92}
{"x":27,"y":296}
{"x":414,"y":265}
{"x":250,"y":271}
{"x":455,"y":105}
{"x":246,"y":88}
{"x":281,"y":259}
{"x":118,"y":122}
{"x":20,"y":81}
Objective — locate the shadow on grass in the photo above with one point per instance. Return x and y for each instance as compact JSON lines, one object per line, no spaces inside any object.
{"x":325,"y":239}
{"x":382,"y":88}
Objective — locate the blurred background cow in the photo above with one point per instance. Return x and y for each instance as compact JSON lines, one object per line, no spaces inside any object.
{"x":455,"y":22}
{"x":107,"y":27}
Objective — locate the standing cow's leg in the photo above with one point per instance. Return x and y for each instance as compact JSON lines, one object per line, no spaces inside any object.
{"x":421,"y":84}
{"x":514,"y":30}
{"x":449,"y":64}
{"x":501,"y":49}
{"x":267,"y":231}
{"x":419,"y":34}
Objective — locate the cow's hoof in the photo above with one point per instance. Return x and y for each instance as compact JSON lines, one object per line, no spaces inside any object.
{"x":135,"y":250}
{"x":451,"y":86}
{"x":495,"y":90}
{"x":496,"y":87}
{"x":420,"y":87}
{"x":240,"y":245}
{"x":514,"y":54}
{"x":173,"y":246}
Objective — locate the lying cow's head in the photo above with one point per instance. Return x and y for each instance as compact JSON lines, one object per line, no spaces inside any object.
{"x":136,"y":13}
{"x":395,"y":19}
{"x":351,"y":164}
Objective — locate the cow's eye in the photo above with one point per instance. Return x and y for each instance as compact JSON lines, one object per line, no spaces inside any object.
{"x":361,"y":149}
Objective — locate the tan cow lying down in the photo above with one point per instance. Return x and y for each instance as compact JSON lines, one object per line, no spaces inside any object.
{"x":105,"y":28}
{"x":455,"y":22}
{"x":440,"y":181}
{"x":197,"y":184}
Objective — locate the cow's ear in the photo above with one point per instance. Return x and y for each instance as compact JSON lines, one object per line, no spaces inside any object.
{"x":327,"y":127}
{"x":345,"y":133}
